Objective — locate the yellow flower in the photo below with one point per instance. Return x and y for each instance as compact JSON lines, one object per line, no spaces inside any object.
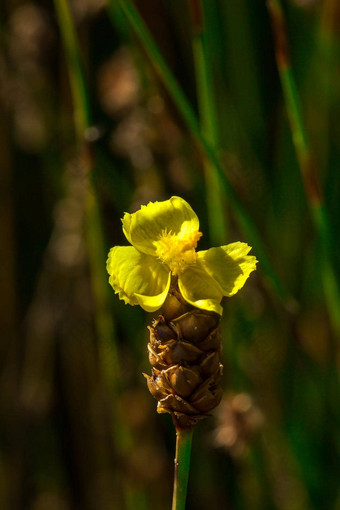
{"x":164,"y":237}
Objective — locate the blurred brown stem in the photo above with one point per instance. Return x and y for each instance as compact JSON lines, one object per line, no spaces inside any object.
{"x":306,"y":163}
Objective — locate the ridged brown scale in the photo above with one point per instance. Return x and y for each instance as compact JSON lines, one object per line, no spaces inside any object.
{"x":185,"y":353}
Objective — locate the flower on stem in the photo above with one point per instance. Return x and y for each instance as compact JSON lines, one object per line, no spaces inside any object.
{"x":164,"y":237}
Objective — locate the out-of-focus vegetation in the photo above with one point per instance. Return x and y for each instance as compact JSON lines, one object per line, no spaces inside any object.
{"x":106,"y":106}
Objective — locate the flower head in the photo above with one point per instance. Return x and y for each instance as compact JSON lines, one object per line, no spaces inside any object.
{"x":164,"y":237}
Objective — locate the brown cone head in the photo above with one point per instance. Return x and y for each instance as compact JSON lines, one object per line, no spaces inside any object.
{"x":185,"y":353}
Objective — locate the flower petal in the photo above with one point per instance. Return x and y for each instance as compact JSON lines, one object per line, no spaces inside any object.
{"x":145,"y":227}
{"x":138,"y":278}
{"x":200,"y":289}
{"x":229,"y":265}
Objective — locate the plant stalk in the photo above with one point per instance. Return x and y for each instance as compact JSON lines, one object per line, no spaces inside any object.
{"x":209,"y":122}
{"x":182,"y":467}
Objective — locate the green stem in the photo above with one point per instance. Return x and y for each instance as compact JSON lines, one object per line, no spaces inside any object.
{"x":209,"y":122}
{"x":244,"y":220}
{"x":182,"y":467}
{"x":306,"y":163}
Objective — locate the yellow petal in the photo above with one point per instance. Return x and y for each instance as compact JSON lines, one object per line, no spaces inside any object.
{"x":229,"y":265}
{"x":200,"y":289}
{"x":145,"y":227}
{"x":139,"y":279}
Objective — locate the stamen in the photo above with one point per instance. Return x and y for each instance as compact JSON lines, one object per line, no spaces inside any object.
{"x":177,"y":251}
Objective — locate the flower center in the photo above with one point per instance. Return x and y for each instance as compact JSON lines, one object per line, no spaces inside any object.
{"x":177,"y":251}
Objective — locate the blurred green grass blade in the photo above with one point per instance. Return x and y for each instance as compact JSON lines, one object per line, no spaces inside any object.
{"x":324,"y":64}
{"x":81,"y":108}
{"x":329,"y":280}
{"x":306,"y":163}
{"x":242,"y":66}
{"x":95,"y":240}
{"x":202,"y":29}
{"x":244,"y":220}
